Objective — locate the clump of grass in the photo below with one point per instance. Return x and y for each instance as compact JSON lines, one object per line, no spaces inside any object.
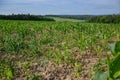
{"x":6,"y":70}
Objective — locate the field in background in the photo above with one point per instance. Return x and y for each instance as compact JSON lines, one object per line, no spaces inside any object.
{"x":34,"y":50}
{"x":58,"y":19}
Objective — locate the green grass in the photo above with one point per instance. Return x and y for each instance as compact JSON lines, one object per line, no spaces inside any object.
{"x":55,"y":41}
{"x":58,"y":19}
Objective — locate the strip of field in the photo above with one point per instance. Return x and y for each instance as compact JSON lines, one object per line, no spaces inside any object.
{"x":58,"y":19}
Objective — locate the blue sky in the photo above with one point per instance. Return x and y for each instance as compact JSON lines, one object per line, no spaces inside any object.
{"x":74,"y":7}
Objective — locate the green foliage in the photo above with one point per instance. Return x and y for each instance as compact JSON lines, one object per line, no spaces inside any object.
{"x":6,"y":69}
{"x":115,"y":48}
{"x":112,"y":48}
{"x":105,"y":19}
{"x":100,"y":76}
{"x":113,"y":65}
{"x":9,"y":74}
{"x":13,"y":45}
{"x":25,"y":17}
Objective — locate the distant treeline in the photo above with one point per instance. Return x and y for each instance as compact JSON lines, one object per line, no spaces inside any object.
{"x":79,"y":17}
{"x":105,"y":19}
{"x":89,"y":18}
{"x":25,"y":17}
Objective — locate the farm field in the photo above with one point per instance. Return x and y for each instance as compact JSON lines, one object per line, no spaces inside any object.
{"x":58,"y":19}
{"x":41,"y":50}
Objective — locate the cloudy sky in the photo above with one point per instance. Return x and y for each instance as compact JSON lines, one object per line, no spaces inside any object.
{"x":79,"y":7}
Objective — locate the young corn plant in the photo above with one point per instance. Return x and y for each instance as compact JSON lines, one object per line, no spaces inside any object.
{"x":6,"y":69}
{"x":113,"y":65}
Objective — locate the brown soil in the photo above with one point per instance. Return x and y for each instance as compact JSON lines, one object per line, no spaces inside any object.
{"x":49,"y":70}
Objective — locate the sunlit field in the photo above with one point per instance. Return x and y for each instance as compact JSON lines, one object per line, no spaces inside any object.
{"x":41,"y":50}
